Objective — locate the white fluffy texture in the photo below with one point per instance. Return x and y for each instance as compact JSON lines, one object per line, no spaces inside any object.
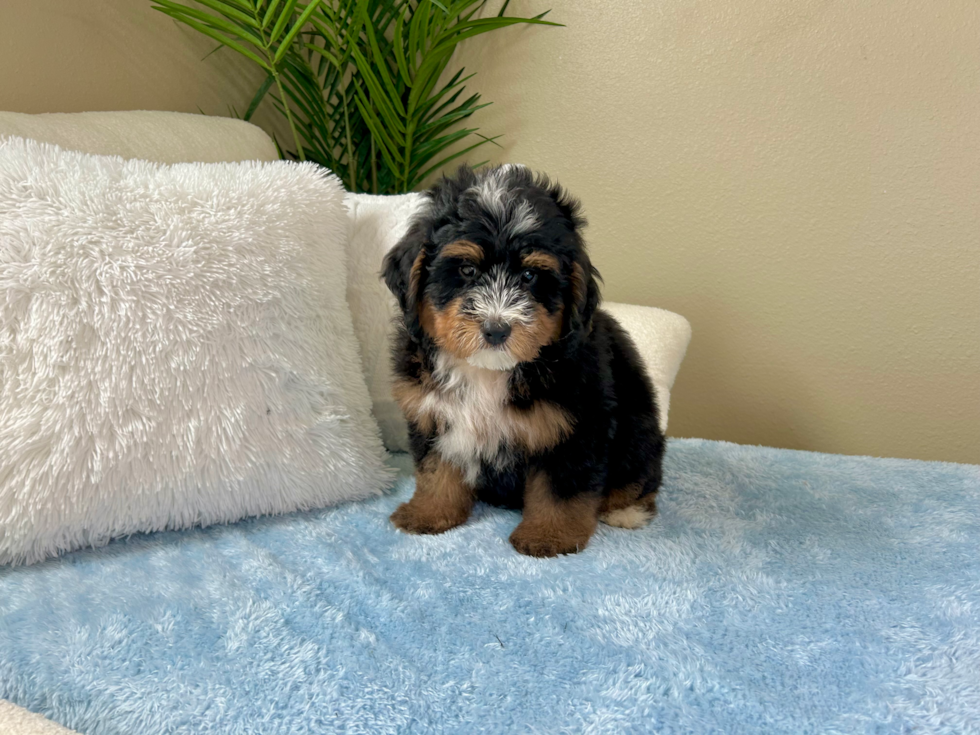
{"x":175,"y":348}
{"x":661,"y":337}
{"x":16,"y":720}
{"x":492,"y":359}
{"x":377,"y":224}
{"x":472,"y":405}
{"x":167,"y":137}
{"x":632,"y":516}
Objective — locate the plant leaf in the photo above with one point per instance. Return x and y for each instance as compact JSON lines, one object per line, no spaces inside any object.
{"x":325,"y":31}
{"x":247,"y":7}
{"x":284,"y":17}
{"x":219,"y":37}
{"x":388,"y":151}
{"x":423,"y":110}
{"x":435,"y":167}
{"x":300,"y":22}
{"x":269,"y":13}
{"x":216,"y":21}
{"x":378,"y":96}
{"x":398,"y":44}
{"x":349,"y":27}
{"x":413,"y":36}
{"x":259,"y":96}
{"x":381,"y":64}
{"x":227,"y":10}
{"x":449,"y":119}
{"x":378,"y":129}
{"x":431,"y":148}
{"x":334,"y":61}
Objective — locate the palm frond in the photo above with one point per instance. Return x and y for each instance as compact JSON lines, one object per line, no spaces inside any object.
{"x":362,"y":83}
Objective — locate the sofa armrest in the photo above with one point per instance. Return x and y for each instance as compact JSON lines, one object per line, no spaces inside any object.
{"x":165,"y":137}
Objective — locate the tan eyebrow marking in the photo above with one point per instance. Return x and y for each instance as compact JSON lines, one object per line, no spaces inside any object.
{"x":538,"y":259}
{"x":462,"y":249}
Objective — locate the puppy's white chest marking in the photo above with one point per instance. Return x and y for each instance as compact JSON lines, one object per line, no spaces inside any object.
{"x":469,"y":410}
{"x":471,"y":406}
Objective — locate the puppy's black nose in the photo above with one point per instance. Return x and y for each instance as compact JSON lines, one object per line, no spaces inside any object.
{"x":496,"y":333}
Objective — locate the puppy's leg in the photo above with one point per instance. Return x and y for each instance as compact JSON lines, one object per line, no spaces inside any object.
{"x":441,"y":500}
{"x":553,"y":525}
{"x":624,"y":508}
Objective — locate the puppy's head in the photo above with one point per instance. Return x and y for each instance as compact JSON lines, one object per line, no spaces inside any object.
{"x":494,"y":268}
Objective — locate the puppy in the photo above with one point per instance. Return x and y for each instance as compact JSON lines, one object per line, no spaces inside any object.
{"x":517,"y":390}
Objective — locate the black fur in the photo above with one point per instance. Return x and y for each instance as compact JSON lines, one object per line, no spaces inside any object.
{"x":592,"y":371}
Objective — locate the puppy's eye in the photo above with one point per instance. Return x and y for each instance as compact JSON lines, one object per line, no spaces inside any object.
{"x":467,"y":271}
{"x":528,"y":276}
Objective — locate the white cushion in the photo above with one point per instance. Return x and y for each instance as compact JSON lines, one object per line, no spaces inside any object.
{"x":175,"y":348}
{"x":167,"y":137}
{"x":377,"y":224}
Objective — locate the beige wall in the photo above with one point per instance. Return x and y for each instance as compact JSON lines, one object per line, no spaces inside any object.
{"x":801,"y":179}
{"x":79,"y":55}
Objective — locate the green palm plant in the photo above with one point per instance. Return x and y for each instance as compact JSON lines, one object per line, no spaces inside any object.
{"x":360,"y":82}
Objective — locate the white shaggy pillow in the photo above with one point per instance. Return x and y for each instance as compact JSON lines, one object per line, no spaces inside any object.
{"x":377,"y":224}
{"x":175,"y":348}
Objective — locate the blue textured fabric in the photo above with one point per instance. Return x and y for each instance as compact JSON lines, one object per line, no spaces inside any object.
{"x":776,"y":591}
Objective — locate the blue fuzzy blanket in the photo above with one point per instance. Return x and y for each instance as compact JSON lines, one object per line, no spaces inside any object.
{"x":776,"y":591}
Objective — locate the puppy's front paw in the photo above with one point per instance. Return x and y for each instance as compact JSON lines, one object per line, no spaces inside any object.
{"x":413,"y":519}
{"x":546,"y":541}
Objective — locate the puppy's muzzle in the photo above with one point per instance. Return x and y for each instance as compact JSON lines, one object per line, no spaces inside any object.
{"x":496,"y":333}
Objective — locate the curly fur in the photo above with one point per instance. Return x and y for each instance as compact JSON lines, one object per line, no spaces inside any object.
{"x":563,"y":401}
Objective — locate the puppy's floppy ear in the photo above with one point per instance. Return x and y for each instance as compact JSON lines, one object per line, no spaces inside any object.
{"x":584,"y":278}
{"x":404,"y":271}
{"x":585,"y":294}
